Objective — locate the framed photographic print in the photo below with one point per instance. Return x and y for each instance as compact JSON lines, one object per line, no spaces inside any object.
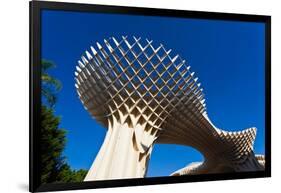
{"x":126,"y":96}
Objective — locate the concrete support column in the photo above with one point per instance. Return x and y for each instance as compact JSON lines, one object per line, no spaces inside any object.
{"x":119,"y":156}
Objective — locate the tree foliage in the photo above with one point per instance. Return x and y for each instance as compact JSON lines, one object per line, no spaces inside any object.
{"x":52,"y":144}
{"x":68,"y":175}
{"x":53,"y":165}
{"x":53,"y":139}
{"x":50,"y":85}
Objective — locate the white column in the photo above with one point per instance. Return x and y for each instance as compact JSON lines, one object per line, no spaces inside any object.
{"x":119,"y":156}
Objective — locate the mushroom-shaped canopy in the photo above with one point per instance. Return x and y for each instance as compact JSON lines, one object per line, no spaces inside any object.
{"x":135,"y":82}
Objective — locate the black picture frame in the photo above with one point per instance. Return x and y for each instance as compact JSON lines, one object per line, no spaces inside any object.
{"x":35,"y":94}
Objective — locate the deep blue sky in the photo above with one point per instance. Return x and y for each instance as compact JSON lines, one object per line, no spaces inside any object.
{"x":227,"y":56}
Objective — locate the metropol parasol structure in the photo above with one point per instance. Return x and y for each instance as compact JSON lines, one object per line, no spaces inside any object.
{"x":144,"y":94}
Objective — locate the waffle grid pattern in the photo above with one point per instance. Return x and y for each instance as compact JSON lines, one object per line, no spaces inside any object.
{"x":129,"y":84}
{"x":131,"y":79}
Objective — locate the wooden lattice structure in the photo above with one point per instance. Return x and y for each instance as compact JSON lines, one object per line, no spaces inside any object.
{"x":145,"y":95}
